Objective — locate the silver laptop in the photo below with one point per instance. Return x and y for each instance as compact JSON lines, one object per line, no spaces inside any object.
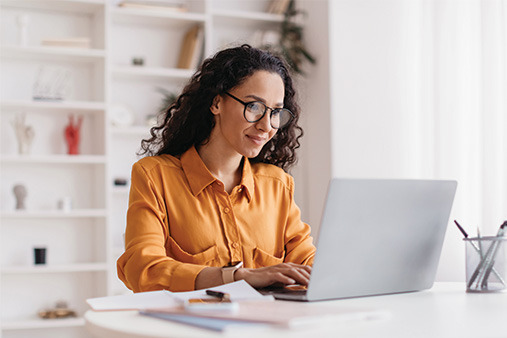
{"x":377,"y":237}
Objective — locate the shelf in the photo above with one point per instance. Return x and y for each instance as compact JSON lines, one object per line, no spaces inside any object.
{"x":76,"y":213}
{"x":53,"y":159}
{"x":121,"y":190}
{"x":254,"y":16}
{"x":76,"y":6}
{"x":152,"y":72}
{"x":168,"y":18}
{"x":52,"y":53}
{"x":42,"y":323}
{"x":77,"y":267}
{"x":59,"y":106}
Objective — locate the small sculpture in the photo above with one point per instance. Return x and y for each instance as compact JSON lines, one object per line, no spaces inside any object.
{"x":52,"y":84}
{"x":120,"y":181}
{"x":24,"y":134}
{"x":39,"y":255}
{"x":138,"y":61}
{"x":60,"y":311}
{"x":20,"y":194}
{"x":65,"y":204}
{"x":72,"y":132}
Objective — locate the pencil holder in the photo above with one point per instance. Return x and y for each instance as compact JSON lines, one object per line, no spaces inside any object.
{"x":486,"y":264}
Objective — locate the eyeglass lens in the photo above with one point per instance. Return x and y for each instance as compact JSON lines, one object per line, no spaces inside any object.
{"x":279,"y":117}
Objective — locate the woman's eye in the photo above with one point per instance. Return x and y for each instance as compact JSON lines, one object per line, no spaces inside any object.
{"x":255,"y":107}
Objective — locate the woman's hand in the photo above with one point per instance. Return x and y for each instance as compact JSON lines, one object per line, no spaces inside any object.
{"x":285,"y":273}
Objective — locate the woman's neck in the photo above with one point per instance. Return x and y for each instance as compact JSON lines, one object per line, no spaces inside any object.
{"x":225,"y":167}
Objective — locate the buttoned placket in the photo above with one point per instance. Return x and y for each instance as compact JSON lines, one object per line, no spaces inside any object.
{"x":229,"y":224}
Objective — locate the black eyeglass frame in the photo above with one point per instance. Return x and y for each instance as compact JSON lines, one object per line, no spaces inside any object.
{"x":245,"y":104}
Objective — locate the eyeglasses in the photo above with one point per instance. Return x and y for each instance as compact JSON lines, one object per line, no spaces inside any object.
{"x":254,"y":111}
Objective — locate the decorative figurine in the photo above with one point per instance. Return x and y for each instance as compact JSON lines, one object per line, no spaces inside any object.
{"x":20,"y":194}
{"x":138,"y":61}
{"x":52,"y":84}
{"x":65,"y":204}
{"x":39,"y":256}
{"x":72,"y":132}
{"x":60,"y":311}
{"x":24,"y":134}
{"x":120,"y":181}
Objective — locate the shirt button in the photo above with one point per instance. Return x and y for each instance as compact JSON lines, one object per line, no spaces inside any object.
{"x":235,"y":245}
{"x":226,"y":210}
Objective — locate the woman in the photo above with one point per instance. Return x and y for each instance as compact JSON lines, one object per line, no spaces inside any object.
{"x":212,"y":203}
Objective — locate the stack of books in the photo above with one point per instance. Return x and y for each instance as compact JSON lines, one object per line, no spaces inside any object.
{"x":191,"y":48}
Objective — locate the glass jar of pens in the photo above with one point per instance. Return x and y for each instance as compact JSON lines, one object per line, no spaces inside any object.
{"x":486,"y":262}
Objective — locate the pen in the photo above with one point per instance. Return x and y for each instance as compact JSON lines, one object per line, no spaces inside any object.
{"x":492,"y":258}
{"x":480,"y":254}
{"x":217,"y":294}
{"x":461,"y":229}
{"x":480,"y":242}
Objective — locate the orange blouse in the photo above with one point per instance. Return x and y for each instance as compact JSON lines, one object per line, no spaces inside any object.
{"x":180,"y":220}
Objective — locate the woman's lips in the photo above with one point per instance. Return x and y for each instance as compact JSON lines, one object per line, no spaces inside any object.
{"x":257,"y":139}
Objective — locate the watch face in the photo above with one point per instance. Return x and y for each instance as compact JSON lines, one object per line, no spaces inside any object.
{"x":233,"y":264}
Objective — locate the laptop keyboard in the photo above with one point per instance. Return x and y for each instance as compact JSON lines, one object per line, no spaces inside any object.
{"x":291,"y":289}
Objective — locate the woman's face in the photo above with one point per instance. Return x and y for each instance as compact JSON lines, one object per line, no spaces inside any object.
{"x":232,"y":131}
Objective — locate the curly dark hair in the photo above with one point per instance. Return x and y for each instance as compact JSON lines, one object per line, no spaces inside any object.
{"x":188,"y":121}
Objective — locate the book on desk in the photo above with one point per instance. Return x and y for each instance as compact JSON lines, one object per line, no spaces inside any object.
{"x":257,"y":314}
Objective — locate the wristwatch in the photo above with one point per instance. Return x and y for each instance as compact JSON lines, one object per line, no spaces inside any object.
{"x":229,"y":270}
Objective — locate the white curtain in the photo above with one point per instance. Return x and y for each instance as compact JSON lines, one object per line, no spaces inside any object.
{"x":418,"y":89}
{"x":455,"y":61}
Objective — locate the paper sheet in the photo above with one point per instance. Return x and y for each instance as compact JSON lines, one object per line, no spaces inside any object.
{"x":134,"y":301}
{"x":239,"y":290}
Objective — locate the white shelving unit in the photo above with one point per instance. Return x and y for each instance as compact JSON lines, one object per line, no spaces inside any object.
{"x":84,"y":243}
{"x":77,"y":241}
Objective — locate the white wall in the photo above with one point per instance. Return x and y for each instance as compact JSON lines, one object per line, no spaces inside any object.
{"x":314,"y":168}
{"x":369,"y":120}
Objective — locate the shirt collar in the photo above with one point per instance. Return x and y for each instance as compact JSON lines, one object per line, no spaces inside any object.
{"x":196,"y":171}
{"x":247,"y":180}
{"x":199,"y":177}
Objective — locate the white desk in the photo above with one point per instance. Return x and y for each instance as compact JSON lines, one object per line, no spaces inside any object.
{"x":444,"y":311}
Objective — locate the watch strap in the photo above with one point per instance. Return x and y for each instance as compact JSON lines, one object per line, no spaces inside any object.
{"x":228,"y":275}
{"x":228,"y":272}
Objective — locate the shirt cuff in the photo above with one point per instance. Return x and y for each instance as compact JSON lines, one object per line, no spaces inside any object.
{"x":183,"y":278}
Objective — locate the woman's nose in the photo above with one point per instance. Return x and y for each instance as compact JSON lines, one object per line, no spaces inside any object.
{"x":264,"y":124}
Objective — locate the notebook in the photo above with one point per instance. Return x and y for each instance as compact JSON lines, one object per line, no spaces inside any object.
{"x":377,"y":236}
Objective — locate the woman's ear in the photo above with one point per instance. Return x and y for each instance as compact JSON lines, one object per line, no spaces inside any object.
{"x":215,"y":105}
